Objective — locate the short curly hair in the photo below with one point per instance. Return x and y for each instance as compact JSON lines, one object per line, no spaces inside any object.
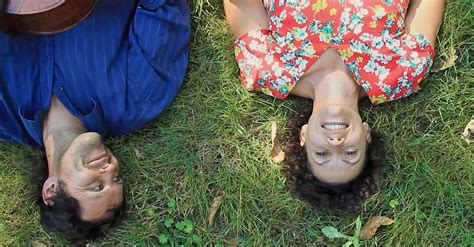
{"x":342,"y":198}
{"x":63,"y":215}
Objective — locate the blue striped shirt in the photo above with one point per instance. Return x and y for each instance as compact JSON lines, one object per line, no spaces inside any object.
{"x":116,"y":70}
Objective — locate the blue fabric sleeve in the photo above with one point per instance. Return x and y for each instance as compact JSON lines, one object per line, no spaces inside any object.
{"x":151,"y":5}
{"x":160,"y":32}
{"x":158,"y":53}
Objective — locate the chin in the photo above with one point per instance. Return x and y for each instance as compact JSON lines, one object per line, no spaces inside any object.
{"x":84,"y":144}
{"x":87,"y":139}
{"x":335,"y":114}
{"x":90,"y":135}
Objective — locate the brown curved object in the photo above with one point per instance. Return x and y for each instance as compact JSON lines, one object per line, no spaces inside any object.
{"x":56,"y":20}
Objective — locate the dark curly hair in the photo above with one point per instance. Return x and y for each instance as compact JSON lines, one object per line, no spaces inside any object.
{"x":64,"y":214}
{"x":342,"y":198}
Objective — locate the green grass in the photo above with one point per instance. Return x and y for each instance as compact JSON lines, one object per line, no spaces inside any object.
{"x":216,"y":136}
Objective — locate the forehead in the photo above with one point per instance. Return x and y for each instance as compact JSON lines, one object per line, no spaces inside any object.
{"x":337,"y":171}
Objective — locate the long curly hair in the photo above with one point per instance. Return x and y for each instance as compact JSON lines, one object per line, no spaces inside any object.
{"x":343,"y":198}
{"x":63,"y":215}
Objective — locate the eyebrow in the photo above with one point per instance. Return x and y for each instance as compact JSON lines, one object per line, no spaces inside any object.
{"x":345,"y":161}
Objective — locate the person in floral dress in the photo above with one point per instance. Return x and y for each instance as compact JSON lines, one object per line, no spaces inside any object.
{"x":334,"y":52}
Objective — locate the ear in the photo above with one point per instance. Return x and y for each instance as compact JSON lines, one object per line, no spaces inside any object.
{"x":368,"y":130}
{"x":302,"y":134}
{"x":50,"y":188}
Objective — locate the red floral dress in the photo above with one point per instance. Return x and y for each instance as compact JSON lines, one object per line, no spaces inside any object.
{"x":369,"y":36}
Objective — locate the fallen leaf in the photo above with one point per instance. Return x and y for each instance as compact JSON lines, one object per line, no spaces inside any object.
{"x":467,"y":134}
{"x":277,"y":153}
{"x":138,"y":154}
{"x":216,"y":203}
{"x":448,"y":61}
{"x":208,"y":157}
{"x":35,"y":243}
{"x":233,"y":243}
{"x":274,"y":131}
{"x":369,"y":229}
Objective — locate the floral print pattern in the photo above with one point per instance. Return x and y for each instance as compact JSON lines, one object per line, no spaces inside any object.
{"x":368,"y":35}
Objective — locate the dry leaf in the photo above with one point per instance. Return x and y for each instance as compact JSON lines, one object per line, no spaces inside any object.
{"x":369,"y":229}
{"x":138,"y":154}
{"x":449,"y":61}
{"x":35,"y":243}
{"x":277,"y":153}
{"x":466,"y":135}
{"x":215,"y":206}
{"x":208,"y":157}
{"x":274,"y":131}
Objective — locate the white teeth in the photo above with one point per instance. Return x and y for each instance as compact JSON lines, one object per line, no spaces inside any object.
{"x":334,"y":126}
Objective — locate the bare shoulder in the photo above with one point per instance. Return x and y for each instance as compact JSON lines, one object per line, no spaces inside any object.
{"x":245,"y":15}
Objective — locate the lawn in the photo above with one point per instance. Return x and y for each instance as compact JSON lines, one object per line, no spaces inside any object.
{"x":216,"y":137}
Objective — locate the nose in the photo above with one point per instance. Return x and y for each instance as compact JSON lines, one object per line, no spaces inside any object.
{"x":334,"y":110}
{"x":335,"y":141}
{"x":106,"y":168}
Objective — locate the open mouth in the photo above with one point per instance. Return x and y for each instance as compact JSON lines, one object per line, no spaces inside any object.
{"x":335,"y":126}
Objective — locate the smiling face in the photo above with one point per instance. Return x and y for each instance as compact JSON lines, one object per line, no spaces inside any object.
{"x":91,"y":175}
{"x":335,"y":140}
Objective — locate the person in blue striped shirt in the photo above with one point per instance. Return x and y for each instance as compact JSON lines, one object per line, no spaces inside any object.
{"x":66,"y":83}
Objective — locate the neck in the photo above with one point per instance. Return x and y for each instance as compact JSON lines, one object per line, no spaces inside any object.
{"x":336,"y":88}
{"x":60,"y":128}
